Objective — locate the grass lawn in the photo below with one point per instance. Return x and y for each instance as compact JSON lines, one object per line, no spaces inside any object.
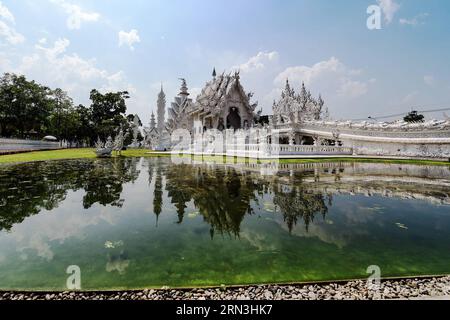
{"x":82,"y":153}
{"x":87,"y":153}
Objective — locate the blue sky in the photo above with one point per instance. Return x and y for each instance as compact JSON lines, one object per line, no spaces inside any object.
{"x":135,"y":45}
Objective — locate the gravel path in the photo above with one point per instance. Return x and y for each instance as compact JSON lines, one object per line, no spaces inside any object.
{"x":419,"y":288}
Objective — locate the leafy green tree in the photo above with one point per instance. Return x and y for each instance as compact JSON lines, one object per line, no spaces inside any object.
{"x":108,"y":111}
{"x":62,"y":119}
{"x":24,"y":106}
{"x":85,"y":131}
{"x":27,"y":107}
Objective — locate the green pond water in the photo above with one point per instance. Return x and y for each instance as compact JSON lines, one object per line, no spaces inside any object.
{"x":147,"y":222}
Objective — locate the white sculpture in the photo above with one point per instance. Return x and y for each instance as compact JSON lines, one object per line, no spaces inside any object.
{"x":118,"y":142}
{"x":104,"y":150}
{"x":295,"y":108}
{"x":135,"y":143}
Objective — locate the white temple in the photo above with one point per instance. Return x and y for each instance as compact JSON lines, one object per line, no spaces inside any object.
{"x":222,"y":104}
{"x":300,"y":123}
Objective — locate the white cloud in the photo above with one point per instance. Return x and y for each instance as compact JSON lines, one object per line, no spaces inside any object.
{"x":129,"y":38}
{"x":76,"y":15}
{"x":389,"y":8}
{"x":331,"y":76}
{"x":5,"y":14}
{"x":309,"y":74}
{"x":55,"y":67}
{"x":59,"y":47}
{"x":257,"y":62}
{"x":352,"y":89}
{"x":429,"y":80}
{"x":417,"y":20}
{"x":10,"y":34}
{"x":6,"y":30}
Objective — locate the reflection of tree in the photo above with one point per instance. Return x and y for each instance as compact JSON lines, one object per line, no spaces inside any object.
{"x":300,"y":203}
{"x":103,"y":182}
{"x":26,"y":189}
{"x":223,"y":197}
{"x":24,"y":194}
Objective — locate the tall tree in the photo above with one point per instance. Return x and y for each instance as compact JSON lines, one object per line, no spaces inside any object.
{"x":108,"y":111}
{"x":24,"y":105}
{"x":85,"y":131}
{"x":63,"y":118}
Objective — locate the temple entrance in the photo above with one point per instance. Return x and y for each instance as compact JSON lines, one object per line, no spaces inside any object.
{"x":233,"y":119}
{"x":307,"y":141}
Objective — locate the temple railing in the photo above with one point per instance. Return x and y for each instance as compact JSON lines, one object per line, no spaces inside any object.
{"x":273,"y":150}
{"x":310,"y":150}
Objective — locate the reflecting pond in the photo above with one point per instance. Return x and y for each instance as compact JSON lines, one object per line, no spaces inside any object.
{"x":147,"y":222}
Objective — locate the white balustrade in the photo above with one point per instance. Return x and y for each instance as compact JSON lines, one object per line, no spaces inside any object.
{"x":260,"y":150}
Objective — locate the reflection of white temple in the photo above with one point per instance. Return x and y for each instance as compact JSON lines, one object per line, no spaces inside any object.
{"x":300,"y":125}
{"x":405,"y":181}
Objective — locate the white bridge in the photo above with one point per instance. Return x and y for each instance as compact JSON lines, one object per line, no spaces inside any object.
{"x":404,"y":140}
{"x":269,"y":151}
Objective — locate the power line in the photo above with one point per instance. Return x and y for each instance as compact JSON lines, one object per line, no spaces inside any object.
{"x":401,"y":114}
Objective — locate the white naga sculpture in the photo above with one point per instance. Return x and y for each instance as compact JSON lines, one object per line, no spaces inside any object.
{"x":135,"y":143}
{"x":118,"y":142}
{"x":104,"y":150}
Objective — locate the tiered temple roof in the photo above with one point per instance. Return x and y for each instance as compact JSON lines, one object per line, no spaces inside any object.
{"x":213,"y":96}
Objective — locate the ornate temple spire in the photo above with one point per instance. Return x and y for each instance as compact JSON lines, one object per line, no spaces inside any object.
{"x":326,"y":114}
{"x":161,"y":104}
{"x":152,"y":121}
{"x":320,"y":101}
{"x":303,"y":90}
{"x":184,"y":88}
{"x":298,"y":107}
{"x":303,"y":97}
{"x":288,"y":91}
